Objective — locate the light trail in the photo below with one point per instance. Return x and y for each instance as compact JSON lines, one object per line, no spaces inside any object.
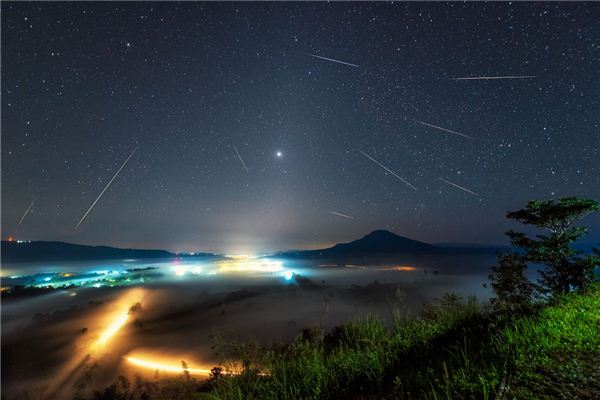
{"x":112,"y":329}
{"x":387,"y":169}
{"x":176,"y":369}
{"x":340,"y":214}
{"x":335,"y":61}
{"x":126,"y":305}
{"x":458,"y":186}
{"x":398,"y":268}
{"x":104,"y":190}
{"x":153,"y":365}
{"x":240,"y":157}
{"x":486,"y":78}
{"x":441,"y":129}
{"x":25,"y":213}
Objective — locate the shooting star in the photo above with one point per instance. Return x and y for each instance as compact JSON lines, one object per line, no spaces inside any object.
{"x":460,"y":187}
{"x":441,"y":129}
{"x":340,"y":214}
{"x":104,"y":190}
{"x":240,"y":157}
{"x":25,"y":213}
{"x":386,"y":168}
{"x":487,"y":78}
{"x":335,"y":61}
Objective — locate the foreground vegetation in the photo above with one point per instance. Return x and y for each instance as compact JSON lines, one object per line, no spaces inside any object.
{"x":534,"y":341}
{"x":455,"y":350}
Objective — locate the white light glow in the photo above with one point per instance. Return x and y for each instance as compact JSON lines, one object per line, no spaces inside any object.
{"x":249,"y":265}
{"x":196,"y":270}
{"x":180,"y":270}
{"x":288,"y":275}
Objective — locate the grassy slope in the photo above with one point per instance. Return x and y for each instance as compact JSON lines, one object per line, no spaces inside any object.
{"x":457,"y":350}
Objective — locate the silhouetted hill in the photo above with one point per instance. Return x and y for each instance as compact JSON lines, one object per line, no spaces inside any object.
{"x":381,"y":242}
{"x":61,"y":251}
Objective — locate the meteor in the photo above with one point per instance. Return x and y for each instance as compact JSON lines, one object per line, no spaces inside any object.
{"x":441,"y":129}
{"x":25,"y":213}
{"x":340,"y":214}
{"x":335,"y":61}
{"x":386,"y":168}
{"x":104,"y":190}
{"x":460,"y":187}
{"x":240,"y":157}
{"x":486,"y":78}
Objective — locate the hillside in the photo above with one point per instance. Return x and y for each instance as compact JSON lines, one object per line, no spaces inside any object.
{"x":14,"y":252}
{"x":455,"y":350}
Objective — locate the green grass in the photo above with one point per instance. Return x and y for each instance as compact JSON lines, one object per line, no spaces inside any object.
{"x":455,"y":350}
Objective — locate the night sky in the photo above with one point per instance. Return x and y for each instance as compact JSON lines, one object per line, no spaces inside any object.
{"x":84,"y":84}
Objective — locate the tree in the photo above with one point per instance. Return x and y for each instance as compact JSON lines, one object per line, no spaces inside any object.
{"x":512,"y":288}
{"x":565,"y":269}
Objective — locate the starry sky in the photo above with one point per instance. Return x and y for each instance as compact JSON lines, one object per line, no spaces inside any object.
{"x":188,"y":84}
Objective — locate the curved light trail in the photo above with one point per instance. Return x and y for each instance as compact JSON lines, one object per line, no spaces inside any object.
{"x":165,"y":367}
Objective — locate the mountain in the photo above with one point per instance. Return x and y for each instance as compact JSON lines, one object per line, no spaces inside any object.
{"x":377,"y":242}
{"x":14,"y":252}
{"x":381,"y":241}
{"x":385,"y":243}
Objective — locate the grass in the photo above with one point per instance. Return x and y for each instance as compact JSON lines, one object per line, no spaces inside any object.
{"x":455,"y":350}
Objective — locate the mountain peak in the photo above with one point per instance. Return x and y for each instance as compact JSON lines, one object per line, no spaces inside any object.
{"x":382,"y":241}
{"x":381,"y":233}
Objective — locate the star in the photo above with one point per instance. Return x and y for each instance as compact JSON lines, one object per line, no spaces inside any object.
{"x":279,"y":154}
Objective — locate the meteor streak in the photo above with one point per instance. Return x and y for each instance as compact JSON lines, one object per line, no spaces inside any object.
{"x":340,"y":214}
{"x":386,"y":168}
{"x":485,"y":78}
{"x":104,"y":190}
{"x":240,"y":157}
{"x":25,"y":213}
{"x":335,"y":61}
{"x":460,"y":187}
{"x":441,"y":129}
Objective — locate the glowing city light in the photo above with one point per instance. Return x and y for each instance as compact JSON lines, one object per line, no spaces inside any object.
{"x":196,"y":270}
{"x":239,"y":256}
{"x":249,"y":265}
{"x":180,"y":270}
{"x":288,"y":275}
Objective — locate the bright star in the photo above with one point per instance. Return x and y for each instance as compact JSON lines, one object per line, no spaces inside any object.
{"x":279,"y":154}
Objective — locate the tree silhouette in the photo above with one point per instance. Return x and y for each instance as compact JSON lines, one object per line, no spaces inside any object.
{"x":566,"y":269}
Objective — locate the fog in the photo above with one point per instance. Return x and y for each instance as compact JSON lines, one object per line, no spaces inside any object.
{"x":126,"y":317}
